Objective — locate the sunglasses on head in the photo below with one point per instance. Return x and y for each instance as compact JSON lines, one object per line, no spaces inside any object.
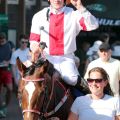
{"x":90,"y":80}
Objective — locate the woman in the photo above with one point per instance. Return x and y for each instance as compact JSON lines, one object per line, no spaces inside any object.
{"x":97,"y":105}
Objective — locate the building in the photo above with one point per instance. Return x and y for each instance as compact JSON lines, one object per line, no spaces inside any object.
{"x":17,"y":16}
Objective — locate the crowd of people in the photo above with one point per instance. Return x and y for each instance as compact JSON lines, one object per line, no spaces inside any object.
{"x":9,"y":74}
{"x":5,"y":73}
{"x":95,"y":64}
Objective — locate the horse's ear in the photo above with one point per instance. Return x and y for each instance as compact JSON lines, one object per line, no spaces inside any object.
{"x":20,"y":65}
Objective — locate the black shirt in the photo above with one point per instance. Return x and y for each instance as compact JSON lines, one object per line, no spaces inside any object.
{"x":5,"y":52}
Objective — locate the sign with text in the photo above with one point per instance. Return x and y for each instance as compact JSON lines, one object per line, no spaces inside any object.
{"x":110,"y":22}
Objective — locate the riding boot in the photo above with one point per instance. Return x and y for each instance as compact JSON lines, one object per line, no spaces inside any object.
{"x":82,"y":85}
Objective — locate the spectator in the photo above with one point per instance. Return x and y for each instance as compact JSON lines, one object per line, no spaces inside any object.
{"x":92,"y":53}
{"x":116,"y":49}
{"x":12,"y":45}
{"x":104,"y":37}
{"x":23,"y":53}
{"x":61,"y":45}
{"x":5,"y":74}
{"x":111,"y":65}
{"x":97,"y":105}
{"x":81,"y":54}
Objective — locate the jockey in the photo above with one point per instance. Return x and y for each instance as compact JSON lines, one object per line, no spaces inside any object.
{"x":58,"y":26}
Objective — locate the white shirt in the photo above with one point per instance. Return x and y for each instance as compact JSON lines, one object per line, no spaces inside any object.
{"x":102,"y":109}
{"x":60,"y":30}
{"x":23,"y":55}
{"x":116,"y":51}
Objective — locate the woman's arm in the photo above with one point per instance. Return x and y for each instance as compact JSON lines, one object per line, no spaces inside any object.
{"x":72,"y":116}
{"x":117,"y":117}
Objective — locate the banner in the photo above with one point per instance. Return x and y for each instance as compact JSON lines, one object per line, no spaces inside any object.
{"x":110,"y":22}
{"x":107,"y":11}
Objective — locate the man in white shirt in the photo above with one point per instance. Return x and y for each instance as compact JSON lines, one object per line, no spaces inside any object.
{"x":23,"y":53}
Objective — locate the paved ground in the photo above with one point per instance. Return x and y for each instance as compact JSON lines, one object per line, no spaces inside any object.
{"x":14,"y":111}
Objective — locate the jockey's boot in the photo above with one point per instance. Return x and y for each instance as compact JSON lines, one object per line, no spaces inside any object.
{"x":82,"y":85}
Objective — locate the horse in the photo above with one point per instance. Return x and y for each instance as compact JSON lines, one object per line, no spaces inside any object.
{"x":40,"y":96}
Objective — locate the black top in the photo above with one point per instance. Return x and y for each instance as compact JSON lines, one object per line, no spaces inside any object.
{"x":5,"y":52}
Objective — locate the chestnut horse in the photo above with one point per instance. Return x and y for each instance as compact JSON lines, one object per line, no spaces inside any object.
{"x":41,"y":97}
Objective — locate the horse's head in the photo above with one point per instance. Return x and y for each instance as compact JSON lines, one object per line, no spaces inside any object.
{"x":40,"y":96}
{"x":31,"y":87}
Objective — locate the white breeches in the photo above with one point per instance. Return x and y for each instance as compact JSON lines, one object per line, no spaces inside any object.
{"x":66,"y":66}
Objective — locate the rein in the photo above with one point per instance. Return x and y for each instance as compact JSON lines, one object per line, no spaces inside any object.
{"x":62,"y":101}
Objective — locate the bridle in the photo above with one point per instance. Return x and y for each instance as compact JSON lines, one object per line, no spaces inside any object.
{"x":43,"y":113}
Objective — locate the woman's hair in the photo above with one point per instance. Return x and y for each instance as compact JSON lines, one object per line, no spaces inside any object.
{"x":105,"y":76}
